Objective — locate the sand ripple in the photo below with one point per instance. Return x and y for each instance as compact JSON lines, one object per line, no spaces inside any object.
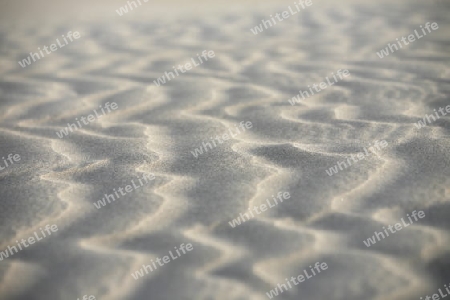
{"x":289,"y":148}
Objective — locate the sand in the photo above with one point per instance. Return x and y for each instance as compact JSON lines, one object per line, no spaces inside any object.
{"x":192,"y":200}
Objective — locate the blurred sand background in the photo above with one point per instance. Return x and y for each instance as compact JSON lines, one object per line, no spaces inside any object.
{"x":289,"y":148}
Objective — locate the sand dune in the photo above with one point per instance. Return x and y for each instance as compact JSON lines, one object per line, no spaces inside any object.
{"x":192,"y":200}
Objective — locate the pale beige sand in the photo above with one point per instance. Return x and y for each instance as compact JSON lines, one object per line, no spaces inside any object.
{"x":288,"y":149}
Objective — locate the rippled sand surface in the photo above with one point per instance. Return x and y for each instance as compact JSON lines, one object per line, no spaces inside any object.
{"x":192,"y":199}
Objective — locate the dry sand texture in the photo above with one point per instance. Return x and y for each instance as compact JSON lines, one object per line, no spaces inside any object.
{"x":191,"y":200}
